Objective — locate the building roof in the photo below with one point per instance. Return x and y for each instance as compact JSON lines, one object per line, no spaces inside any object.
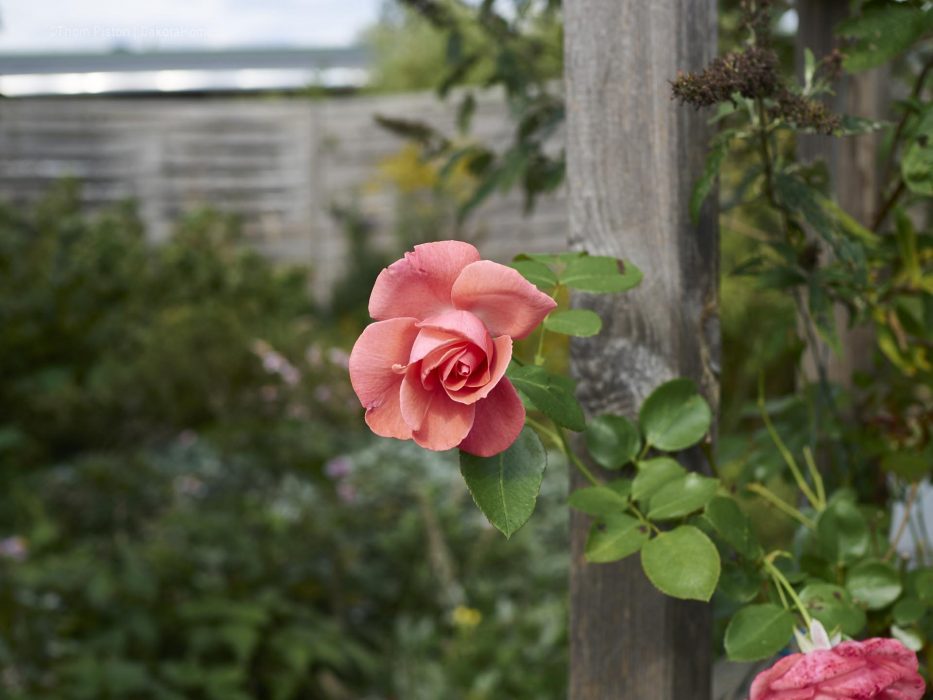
{"x":182,"y":71}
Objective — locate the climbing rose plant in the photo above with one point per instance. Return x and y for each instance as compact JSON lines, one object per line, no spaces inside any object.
{"x":432,"y":368}
{"x":437,"y":366}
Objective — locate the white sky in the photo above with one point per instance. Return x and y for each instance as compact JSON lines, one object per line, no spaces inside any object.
{"x":101,"y":25}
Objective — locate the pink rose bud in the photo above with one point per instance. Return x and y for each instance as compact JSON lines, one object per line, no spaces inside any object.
{"x":432,"y":367}
{"x":876,"y":669}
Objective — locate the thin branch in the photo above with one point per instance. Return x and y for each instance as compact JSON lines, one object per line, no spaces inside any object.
{"x":781,"y":505}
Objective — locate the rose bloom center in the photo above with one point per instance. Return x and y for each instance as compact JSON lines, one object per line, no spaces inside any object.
{"x":455,"y":366}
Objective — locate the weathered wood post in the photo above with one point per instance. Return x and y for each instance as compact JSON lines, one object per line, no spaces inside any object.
{"x":633,"y":156}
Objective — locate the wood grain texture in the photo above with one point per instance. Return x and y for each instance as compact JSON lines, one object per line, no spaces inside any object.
{"x":633,"y":157}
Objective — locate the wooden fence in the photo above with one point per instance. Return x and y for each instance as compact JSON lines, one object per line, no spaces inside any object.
{"x":278,"y":163}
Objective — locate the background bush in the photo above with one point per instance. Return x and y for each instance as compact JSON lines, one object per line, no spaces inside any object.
{"x":176,"y":518}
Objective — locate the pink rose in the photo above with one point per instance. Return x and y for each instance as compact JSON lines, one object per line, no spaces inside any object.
{"x":876,"y":669}
{"x":432,"y":367}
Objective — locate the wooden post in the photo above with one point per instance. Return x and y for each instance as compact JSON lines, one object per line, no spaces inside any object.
{"x":633,"y":156}
{"x":852,"y":163}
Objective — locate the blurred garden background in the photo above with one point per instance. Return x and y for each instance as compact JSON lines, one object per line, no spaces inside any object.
{"x":191,"y":222}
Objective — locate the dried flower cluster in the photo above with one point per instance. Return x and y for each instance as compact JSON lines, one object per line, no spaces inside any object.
{"x":754,"y":74}
{"x":804,"y":112}
{"x":751,"y":73}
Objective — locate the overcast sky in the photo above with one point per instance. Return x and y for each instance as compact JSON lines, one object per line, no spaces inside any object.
{"x":90,"y":25}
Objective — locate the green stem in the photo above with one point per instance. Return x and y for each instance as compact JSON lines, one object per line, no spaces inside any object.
{"x":780,"y":579}
{"x":539,"y":352}
{"x":782,"y":448}
{"x":544,"y":430}
{"x":572,"y":456}
{"x":785,"y":219}
{"x":781,"y":594}
{"x":781,"y":505}
{"x":578,"y":463}
{"x":641,"y":516}
{"x":707,"y":448}
{"x":817,"y":478}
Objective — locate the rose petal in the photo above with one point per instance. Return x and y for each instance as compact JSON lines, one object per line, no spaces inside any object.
{"x":881,"y":650}
{"x":445,"y":423}
{"x":761,"y":686}
{"x":498,"y":422}
{"x":430,"y":340}
{"x":440,"y":358}
{"x":419,"y":284}
{"x":505,"y":301}
{"x":817,"y":667}
{"x":865,"y":682}
{"x":461,"y":324}
{"x":415,"y":398}
{"x":376,"y":365}
{"x":908,"y":689}
{"x":874,"y":669}
{"x":456,"y":370}
{"x":500,"y":362}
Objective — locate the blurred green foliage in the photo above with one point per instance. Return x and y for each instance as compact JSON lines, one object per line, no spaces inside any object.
{"x":173,"y":520}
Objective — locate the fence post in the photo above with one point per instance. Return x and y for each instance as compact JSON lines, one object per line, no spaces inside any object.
{"x":633,"y":156}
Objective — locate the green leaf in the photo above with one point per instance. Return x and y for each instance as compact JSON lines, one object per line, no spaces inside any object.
{"x":733,"y":526}
{"x":581,"y":323}
{"x":551,"y":259}
{"x":833,"y":606}
{"x":847,"y":239}
{"x":911,"y":637}
{"x":758,"y":632}
{"x":682,"y":563}
{"x":601,"y":500}
{"x":843,"y":532}
{"x":549,"y":395}
{"x":882,"y":32}
{"x":537,"y":273}
{"x":675,"y":416}
{"x":598,"y":273}
{"x":874,"y":584}
{"x":920,"y":583}
{"x":682,"y":496}
{"x":613,"y":537}
{"x":917,"y":165}
{"x":909,"y":464}
{"x":653,"y":474}
{"x":740,"y":582}
{"x":505,"y":486}
{"x":612,"y":440}
{"x":719,"y":148}
{"x":908,"y":611}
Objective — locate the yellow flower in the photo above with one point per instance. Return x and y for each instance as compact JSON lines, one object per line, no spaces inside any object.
{"x":466,"y":617}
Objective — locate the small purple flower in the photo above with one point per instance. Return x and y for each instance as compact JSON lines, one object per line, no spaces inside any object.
{"x":15,"y":548}
{"x":338,"y":357}
{"x":346,"y":492}
{"x":338,"y":467}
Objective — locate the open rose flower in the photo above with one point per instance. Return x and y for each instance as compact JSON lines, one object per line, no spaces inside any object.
{"x":432,"y":367}
{"x":875,"y":669}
